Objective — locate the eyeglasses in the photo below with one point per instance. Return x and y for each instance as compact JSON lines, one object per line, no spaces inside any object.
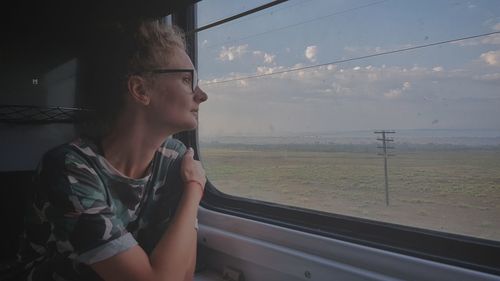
{"x":194,"y":75}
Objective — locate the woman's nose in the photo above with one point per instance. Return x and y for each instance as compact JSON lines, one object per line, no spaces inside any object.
{"x":200,"y":95}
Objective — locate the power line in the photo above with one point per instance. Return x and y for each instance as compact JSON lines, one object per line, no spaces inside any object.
{"x":297,"y":24}
{"x":237,"y":16}
{"x":354,"y":59}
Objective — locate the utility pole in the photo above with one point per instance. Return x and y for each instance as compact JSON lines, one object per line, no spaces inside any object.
{"x":385,"y":139}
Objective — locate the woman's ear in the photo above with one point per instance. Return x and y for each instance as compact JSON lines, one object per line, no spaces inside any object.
{"x":137,"y":89}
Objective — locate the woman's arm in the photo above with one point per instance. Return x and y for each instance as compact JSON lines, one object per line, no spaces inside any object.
{"x":171,"y":258}
{"x":192,"y":265}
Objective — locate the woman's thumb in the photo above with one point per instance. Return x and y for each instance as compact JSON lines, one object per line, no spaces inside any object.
{"x":190,"y":152}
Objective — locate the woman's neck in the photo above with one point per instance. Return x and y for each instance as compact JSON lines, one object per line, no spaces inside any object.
{"x":130,"y":147}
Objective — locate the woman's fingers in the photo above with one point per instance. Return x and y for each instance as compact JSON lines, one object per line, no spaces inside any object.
{"x":192,"y":170}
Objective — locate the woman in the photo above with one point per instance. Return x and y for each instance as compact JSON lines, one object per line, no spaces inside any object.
{"x":121,"y":204}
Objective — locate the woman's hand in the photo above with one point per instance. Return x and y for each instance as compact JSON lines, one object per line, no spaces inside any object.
{"x":192,"y":173}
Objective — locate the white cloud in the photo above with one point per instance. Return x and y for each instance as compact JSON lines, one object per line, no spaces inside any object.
{"x":341,"y":90}
{"x":493,"y":39}
{"x":488,"y":77}
{"x":243,"y":83}
{"x":438,"y":68}
{"x":392,"y":94}
{"x":368,"y":50}
{"x":298,"y":65}
{"x":268,"y":58}
{"x":311,"y":52}
{"x":268,"y":70}
{"x":331,"y":67}
{"x":233,"y":52}
{"x":491,"y":57}
{"x":396,"y":93}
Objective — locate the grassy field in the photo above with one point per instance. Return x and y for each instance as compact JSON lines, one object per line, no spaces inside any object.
{"x":451,"y":191}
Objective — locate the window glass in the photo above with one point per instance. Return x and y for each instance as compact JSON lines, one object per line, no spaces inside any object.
{"x":297,"y":92}
{"x":214,"y":10}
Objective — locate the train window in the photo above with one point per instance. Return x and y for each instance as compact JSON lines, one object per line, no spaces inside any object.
{"x":301,"y":92}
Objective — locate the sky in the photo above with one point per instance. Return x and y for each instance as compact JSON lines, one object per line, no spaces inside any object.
{"x":453,"y":85}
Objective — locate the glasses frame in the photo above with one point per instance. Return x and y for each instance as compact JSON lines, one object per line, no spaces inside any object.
{"x":194,"y":74}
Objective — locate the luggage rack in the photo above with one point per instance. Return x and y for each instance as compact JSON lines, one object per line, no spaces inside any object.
{"x":27,"y":114}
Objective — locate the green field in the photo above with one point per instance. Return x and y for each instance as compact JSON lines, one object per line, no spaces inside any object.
{"x":455,"y":191}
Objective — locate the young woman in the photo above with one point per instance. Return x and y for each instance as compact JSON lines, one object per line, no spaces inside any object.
{"x":121,"y":204}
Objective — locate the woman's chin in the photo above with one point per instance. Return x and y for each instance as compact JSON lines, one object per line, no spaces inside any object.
{"x":191,"y":125}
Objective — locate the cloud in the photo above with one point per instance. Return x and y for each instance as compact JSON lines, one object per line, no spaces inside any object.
{"x":488,"y":77}
{"x":396,"y":93}
{"x":233,"y":52}
{"x":438,"y":68}
{"x":493,"y":39}
{"x":392,"y":94}
{"x":311,"y":52}
{"x":243,"y":83}
{"x":368,"y":50}
{"x":491,"y":57}
{"x":268,"y":70}
{"x":267,"y":58}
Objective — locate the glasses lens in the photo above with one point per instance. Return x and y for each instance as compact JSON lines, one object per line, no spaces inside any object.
{"x":195,"y":80}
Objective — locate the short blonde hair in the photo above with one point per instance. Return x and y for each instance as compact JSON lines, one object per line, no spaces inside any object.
{"x":116,"y":51}
{"x":155,"y":42}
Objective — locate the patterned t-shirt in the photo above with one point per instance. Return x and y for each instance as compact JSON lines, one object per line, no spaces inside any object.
{"x":85,"y":210}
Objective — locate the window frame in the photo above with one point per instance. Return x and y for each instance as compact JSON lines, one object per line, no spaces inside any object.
{"x":453,"y":249}
{"x":448,"y":248}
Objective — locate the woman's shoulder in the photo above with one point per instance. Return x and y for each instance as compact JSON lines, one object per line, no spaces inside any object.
{"x":73,"y":160}
{"x":172,"y":148}
{"x":69,"y":168}
{"x":77,"y":150}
